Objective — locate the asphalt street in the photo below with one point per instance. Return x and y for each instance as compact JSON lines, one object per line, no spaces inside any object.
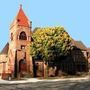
{"x":45,"y":85}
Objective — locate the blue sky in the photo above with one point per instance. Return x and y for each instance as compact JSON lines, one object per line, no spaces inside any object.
{"x":74,"y":15}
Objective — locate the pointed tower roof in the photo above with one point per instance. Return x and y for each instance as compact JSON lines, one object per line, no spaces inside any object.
{"x":21,"y":19}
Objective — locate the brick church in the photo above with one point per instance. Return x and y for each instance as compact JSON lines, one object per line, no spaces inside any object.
{"x":14,"y":58}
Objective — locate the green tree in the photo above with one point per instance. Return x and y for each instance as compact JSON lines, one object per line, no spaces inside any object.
{"x":50,"y":43}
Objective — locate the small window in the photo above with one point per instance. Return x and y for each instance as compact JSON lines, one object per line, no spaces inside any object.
{"x":22,"y":46}
{"x":18,"y":20}
{"x":11,"y":36}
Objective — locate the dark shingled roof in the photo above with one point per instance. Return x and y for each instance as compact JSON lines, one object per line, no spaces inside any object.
{"x":5,"y":49}
{"x":79,"y":45}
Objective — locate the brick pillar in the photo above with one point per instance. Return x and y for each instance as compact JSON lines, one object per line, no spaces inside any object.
{"x":31,"y":67}
{"x":45,"y":70}
{"x":3,"y":72}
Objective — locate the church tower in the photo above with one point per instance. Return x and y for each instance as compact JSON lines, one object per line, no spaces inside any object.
{"x":20,"y":38}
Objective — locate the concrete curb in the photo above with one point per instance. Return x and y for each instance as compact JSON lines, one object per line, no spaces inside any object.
{"x":35,"y":80}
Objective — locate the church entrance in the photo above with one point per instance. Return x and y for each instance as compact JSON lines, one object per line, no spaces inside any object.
{"x":22,"y":67}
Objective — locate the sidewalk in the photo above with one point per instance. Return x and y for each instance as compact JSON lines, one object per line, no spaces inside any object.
{"x":33,"y":80}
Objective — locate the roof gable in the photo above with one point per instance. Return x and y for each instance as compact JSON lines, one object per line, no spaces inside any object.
{"x":79,"y":45}
{"x":5,"y":49}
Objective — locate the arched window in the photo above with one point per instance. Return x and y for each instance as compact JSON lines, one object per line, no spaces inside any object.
{"x":22,"y":36}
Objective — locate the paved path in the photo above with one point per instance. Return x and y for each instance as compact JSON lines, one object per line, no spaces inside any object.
{"x":56,"y":84}
{"x":30,"y":80}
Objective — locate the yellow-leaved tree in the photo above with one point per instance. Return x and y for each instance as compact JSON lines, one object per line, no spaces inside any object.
{"x":50,"y":43}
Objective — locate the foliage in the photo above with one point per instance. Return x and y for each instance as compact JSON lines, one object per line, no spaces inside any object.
{"x":50,"y":43}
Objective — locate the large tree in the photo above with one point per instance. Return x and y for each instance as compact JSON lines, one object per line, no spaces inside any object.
{"x":50,"y":43}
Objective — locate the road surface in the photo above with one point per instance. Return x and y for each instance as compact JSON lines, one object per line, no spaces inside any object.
{"x":46,"y":85}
